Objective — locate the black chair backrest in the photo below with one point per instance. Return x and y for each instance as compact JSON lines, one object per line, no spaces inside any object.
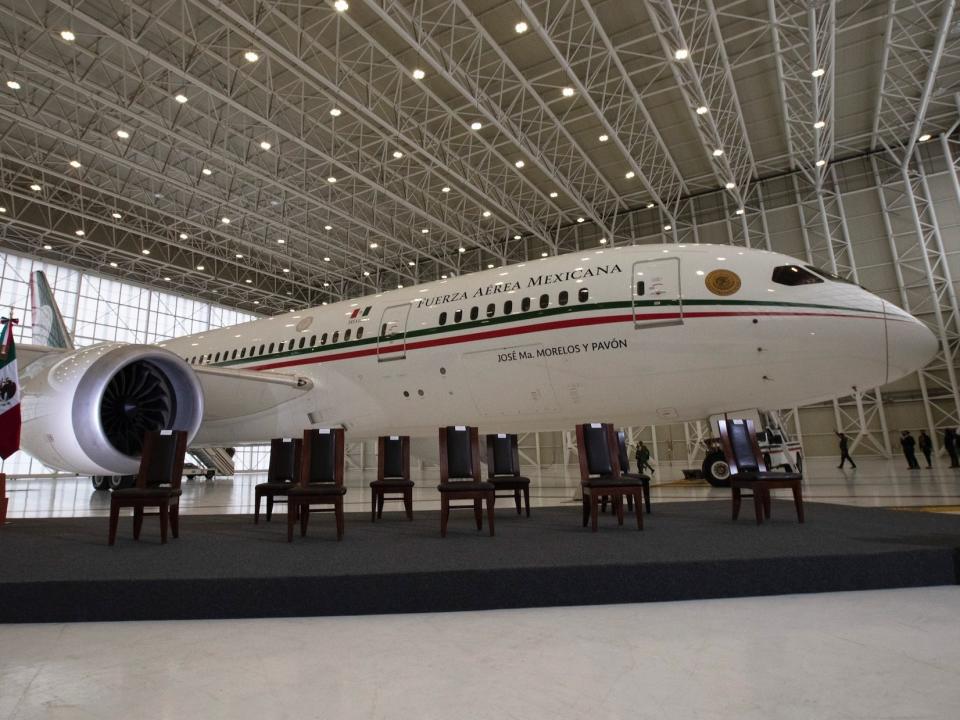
{"x":393,"y":457}
{"x":323,"y":457}
{"x":284,"y":460}
{"x":162,"y":454}
{"x":596,"y":443}
{"x":459,"y":452}
{"x":504,"y":459}
{"x":741,"y":446}
{"x":622,"y":451}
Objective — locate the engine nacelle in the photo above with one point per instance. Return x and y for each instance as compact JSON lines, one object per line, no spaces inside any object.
{"x":86,"y":411}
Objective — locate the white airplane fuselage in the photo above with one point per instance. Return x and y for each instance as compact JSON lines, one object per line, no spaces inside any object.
{"x":634,"y":335}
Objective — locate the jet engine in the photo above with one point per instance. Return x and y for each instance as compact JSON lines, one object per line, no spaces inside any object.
{"x":87,"y":410}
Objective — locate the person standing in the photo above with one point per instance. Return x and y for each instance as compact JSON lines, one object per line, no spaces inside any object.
{"x":643,"y":457}
{"x":950,"y":445}
{"x":844,"y":451}
{"x":926,"y":447}
{"x":909,"y":449}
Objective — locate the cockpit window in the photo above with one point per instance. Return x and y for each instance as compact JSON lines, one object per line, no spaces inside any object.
{"x":794,"y":275}
{"x":829,"y":275}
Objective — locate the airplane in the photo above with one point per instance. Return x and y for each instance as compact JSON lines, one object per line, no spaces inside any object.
{"x":636,"y":335}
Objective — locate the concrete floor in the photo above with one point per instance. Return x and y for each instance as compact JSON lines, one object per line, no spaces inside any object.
{"x":869,"y":655}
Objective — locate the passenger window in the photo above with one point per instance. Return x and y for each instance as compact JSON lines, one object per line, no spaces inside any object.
{"x":271,"y":348}
{"x":243,"y":353}
{"x":641,"y":288}
{"x":583,"y":295}
{"x":474,"y":312}
{"x":313,"y":341}
{"x":458,"y":316}
{"x":491,"y":310}
{"x":303,"y":341}
{"x":383,"y":330}
{"x":366,"y":310}
{"x":336,"y":336}
{"x":346,"y":335}
{"x":544,"y":301}
{"x":794,"y":275}
{"x":261,"y":350}
{"x":193,"y":359}
{"x":562,"y":298}
{"x":525,"y":305}
{"x":508,"y":307}
{"x":217,"y":358}
{"x":233,"y":355}
{"x":323,"y":339}
{"x":359,"y":332}
{"x":443,"y":318}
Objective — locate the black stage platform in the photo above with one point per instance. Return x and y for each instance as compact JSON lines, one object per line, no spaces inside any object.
{"x":224,"y":566}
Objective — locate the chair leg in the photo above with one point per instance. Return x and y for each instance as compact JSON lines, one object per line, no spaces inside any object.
{"x":630,"y":503}
{"x":269,"y":507}
{"x":304,"y":518}
{"x":594,"y":507}
{"x":758,"y":506}
{"x":137,"y":521}
{"x":766,"y":503}
{"x":516,"y":500}
{"x":373,"y":504}
{"x":381,"y":496}
{"x":798,"y":501}
{"x":639,"y":511}
{"x":338,"y":511}
{"x":491,"y":500}
{"x":618,"y":506}
{"x":164,"y":520}
{"x":478,"y":512}
{"x":291,"y":517}
{"x":114,"y":521}
{"x":408,"y":502}
{"x":603,"y":504}
{"x":586,"y":510}
{"x":256,"y":506}
{"x":444,"y":514}
{"x":175,"y":520}
{"x":646,"y":495}
{"x":526,"y":499}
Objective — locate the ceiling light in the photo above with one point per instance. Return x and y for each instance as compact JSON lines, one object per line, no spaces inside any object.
{"x":13,"y":84}
{"x":68,"y":35}
{"x":924,"y":137}
{"x":520,"y":27}
{"x":702,"y":110}
{"x":248,"y":281}
{"x":603,"y":138}
{"x":419,"y":74}
{"x":397,"y":154}
{"x":603,"y":241}
{"x":553,"y":194}
{"x":280,"y":241}
{"x":2,"y":209}
{"x":116,"y":216}
{"x":461,"y":250}
{"x":123,"y":134}
{"x":444,"y":189}
{"x":328,"y":227}
{"x":200,"y":267}
{"x":48,"y":247}
{"x":257,"y":302}
{"x":366,"y":273}
{"x":668,"y":228}
{"x":250,"y":56}
{"x":76,"y":163}
{"x":341,"y":5}
{"x":819,"y":72}
{"x":374,"y":246}
{"x":286,"y":270}
{"x":476,"y":125}
{"x":79,"y":233}
{"x":580,"y":220}
{"x":399,"y":287}
{"x":180,"y":98}
{"x":519,"y":163}
{"x":567,"y":92}
{"x":167,"y":279}
{"x":819,"y":124}
{"x":336,"y":112}
{"x":650,"y":205}
{"x":717,"y":152}
{"x":145,"y":251}
{"x":183,"y":236}
{"x":681,"y":54}
{"x":35,"y":187}
{"x":739,"y":211}
{"x":821,"y":163}
{"x":730,"y":185}
{"x":264,"y":145}
{"x":207,"y":171}
{"x":544,"y":254}
{"x":238,"y":256}
{"x":443,"y":277}
{"x":486,"y":213}
{"x":113,"y":264}
{"x":225,"y":220}
{"x":331,"y":179}
{"x":630,"y":174}
{"x":326,"y":259}
{"x":425,"y":230}
{"x":516,"y":237}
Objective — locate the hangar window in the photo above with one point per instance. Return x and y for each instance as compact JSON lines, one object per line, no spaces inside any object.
{"x":313,"y":341}
{"x":525,"y":305}
{"x":544,"y":301}
{"x":346,"y":335}
{"x":366,"y":310}
{"x":443,"y":318}
{"x":323,"y":339}
{"x":303,"y":341}
{"x":458,"y":316}
{"x":794,"y":275}
{"x":336,"y":336}
{"x":583,"y":295}
{"x":491,"y":310}
{"x":562,"y":299}
{"x":474,"y":312}
{"x":508,"y":307}
{"x":359,"y":332}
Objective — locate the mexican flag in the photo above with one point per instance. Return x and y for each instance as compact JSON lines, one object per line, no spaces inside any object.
{"x":9,"y":393}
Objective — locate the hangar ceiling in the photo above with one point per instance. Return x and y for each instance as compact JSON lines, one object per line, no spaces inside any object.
{"x":275,"y":154}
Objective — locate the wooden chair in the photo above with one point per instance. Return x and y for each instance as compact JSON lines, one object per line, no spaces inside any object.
{"x":503,"y":469}
{"x":600,"y":473}
{"x":393,"y":475}
{"x":282,"y":473}
{"x":157,"y":484}
{"x":460,"y":475}
{"x":321,"y":480}
{"x":749,"y":471}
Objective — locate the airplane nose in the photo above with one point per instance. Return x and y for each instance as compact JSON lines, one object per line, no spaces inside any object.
{"x":910,"y":343}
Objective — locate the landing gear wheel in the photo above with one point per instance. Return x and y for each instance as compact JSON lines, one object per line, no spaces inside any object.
{"x":119,"y":482}
{"x":209,"y":474}
{"x":100,"y":482}
{"x":715,"y":469}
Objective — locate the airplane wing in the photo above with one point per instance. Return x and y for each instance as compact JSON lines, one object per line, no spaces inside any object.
{"x":238,"y":393}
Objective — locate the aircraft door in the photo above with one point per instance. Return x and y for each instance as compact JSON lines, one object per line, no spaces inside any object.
{"x":656,"y":294}
{"x":392,"y":335}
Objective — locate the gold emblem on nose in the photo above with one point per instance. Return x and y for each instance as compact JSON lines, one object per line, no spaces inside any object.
{"x":722,"y":282}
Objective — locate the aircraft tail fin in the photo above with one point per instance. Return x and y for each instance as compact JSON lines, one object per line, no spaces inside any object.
{"x":48,"y":326}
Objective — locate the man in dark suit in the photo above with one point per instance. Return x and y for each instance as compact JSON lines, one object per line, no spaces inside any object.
{"x":844,"y":451}
{"x":950,"y":445}
{"x":909,"y":445}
